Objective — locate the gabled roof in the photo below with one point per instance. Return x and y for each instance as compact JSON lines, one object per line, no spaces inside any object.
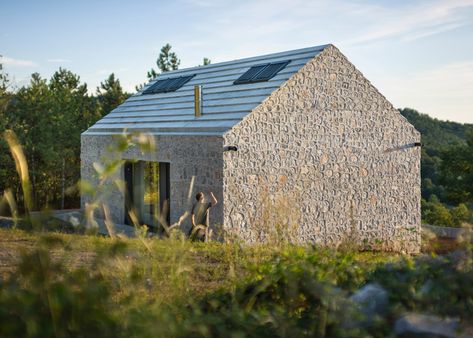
{"x":224,"y":103}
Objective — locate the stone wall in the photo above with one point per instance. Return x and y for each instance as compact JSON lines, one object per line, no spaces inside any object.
{"x":326,"y":142}
{"x":192,"y":158}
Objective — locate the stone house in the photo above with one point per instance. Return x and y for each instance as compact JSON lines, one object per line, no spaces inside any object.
{"x":301,"y":132}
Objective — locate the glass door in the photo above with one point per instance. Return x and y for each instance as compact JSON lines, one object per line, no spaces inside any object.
{"x":148,"y":192}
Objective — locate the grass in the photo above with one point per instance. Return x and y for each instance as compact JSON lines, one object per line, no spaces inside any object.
{"x":202,"y":267}
{"x":150,"y":256}
{"x":68,"y":285}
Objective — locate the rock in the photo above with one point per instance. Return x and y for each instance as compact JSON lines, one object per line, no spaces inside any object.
{"x":371,"y":300}
{"x":6,"y":222}
{"x":420,"y":325}
{"x":466,"y":332}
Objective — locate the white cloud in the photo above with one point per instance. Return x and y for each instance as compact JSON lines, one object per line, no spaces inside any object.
{"x":16,"y":62}
{"x":359,"y":22}
{"x":261,"y":27}
{"x":414,"y":21}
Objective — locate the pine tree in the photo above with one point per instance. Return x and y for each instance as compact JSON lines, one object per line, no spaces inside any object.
{"x":4,"y":83}
{"x":110,"y":94}
{"x":166,"y":62}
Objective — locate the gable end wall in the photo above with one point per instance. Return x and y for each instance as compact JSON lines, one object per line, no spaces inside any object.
{"x":324,"y":142}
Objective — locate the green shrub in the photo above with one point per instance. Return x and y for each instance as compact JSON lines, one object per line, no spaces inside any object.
{"x":436,"y":213}
{"x":42,"y":299}
{"x":440,"y":285}
{"x":299,"y":292}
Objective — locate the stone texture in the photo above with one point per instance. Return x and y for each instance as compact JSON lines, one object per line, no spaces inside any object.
{"x":324,"y":142}
{"x":192,"y":158}
{"x":419,"y":325}
{"x":371,"y":300}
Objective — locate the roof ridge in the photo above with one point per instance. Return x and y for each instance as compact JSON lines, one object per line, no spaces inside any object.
{"x":245,"y":59}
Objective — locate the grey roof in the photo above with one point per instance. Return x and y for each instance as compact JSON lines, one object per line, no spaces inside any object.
{"x":224,"y":104}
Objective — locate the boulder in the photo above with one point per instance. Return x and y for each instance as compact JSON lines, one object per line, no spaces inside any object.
{"x":370,"y":303}
{"x":421,"y":325}
{"x":371,"y":300}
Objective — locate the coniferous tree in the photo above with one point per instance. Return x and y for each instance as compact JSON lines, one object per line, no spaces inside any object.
{"x":48,"y":117}
{"x":110,"y":94}
{"x":6,"y":163}
{"x":166,"y":62}
{"x":74,"y":111}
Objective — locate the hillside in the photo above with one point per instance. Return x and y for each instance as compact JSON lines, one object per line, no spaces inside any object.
{"x":445,"y":158}
{"x":436,"y":134}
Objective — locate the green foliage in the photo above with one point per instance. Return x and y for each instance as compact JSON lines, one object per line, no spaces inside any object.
{"x":439,"y":285}
{"x":148,"y":287}
{"x":6,"y":165}
{"x":4,"y":84}
{"x":436,"y":213}
{"x":461,"y":214}
{"x":446,"y":167}
{"x":43,"y":299}
{"x":457,"y":171}
{"x":298,"y":293}
{"x":48,"y":118}
{"x":206,"y":61}
{"x":110,"y":94}
{"x":436,"y":134}
{"x":166,"y":61}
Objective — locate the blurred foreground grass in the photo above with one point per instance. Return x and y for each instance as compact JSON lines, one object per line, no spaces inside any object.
{"x":69,"y":285}
{"x":169,"y":270}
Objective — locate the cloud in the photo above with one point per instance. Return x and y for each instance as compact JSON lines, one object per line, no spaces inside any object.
{"x":16,"y":62}
{"x":360,"y":22}
{"x":259,"y":27}
{"x":59,"y":60}
{"x":413,"y":22}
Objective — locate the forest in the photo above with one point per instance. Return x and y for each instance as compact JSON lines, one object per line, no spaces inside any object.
{"x":48,"y":116}
{"x":446,"y":169}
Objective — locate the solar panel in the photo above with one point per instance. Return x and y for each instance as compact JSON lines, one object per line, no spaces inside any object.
{"x":270,"y":71}
{"x":261,"y":73}
{"x":249,"y":74}
{"x":157,"y":86}
{"x":179,"y":82}
{"x":168,"y":85}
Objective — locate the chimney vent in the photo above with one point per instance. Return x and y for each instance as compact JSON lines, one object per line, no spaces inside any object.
{"x":198,"y":100}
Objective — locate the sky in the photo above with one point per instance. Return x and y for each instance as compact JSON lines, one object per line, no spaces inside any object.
{"x":418,"y":53}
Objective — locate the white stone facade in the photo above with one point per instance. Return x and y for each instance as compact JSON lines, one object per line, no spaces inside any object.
{"x":325,"y":141}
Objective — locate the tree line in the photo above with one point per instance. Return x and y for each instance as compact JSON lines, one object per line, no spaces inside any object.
{"x":48,"y":117}
{"x":446,"y":169}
